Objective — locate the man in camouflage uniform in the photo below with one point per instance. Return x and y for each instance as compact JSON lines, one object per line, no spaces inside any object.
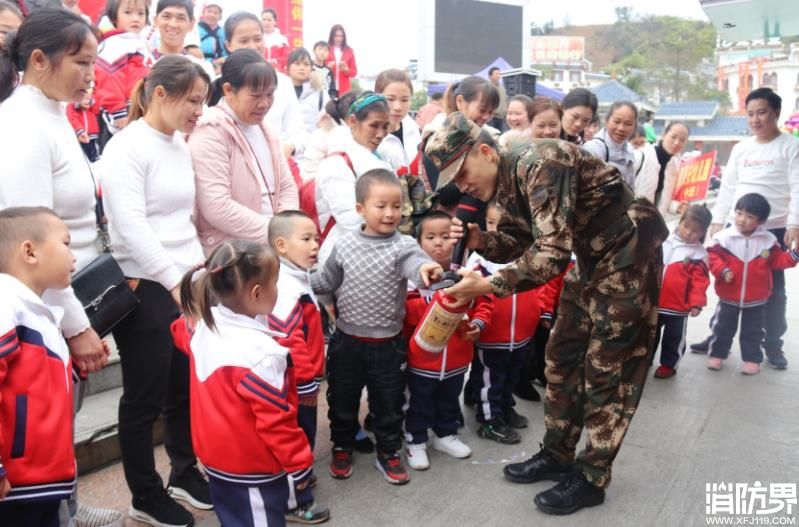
{"x":558,"y":200}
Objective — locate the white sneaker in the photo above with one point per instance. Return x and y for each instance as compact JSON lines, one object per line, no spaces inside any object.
{"x":417,"y":456}
{"x":453,"y":446}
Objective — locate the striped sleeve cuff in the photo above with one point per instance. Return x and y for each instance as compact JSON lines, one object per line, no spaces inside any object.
{"x":546,"y":316}
{"x":308,"y":388}
{"x":3,"y":472}
{"x":479,"y":323}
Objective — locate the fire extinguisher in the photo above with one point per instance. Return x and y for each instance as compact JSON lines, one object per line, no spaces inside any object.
{"x":440,"y":321}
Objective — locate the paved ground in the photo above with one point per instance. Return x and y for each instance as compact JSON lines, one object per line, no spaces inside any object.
{"x":697,"y":428}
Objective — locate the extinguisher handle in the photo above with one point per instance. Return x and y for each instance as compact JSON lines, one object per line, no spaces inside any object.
{"x":449,"y":279}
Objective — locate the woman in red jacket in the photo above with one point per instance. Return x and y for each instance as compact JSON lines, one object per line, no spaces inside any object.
{"x":277,"y":45}
{"x":342,"y":62}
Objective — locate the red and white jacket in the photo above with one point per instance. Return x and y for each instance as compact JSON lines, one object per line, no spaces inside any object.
{"x":36,"y":452}
{"x":515,"y":317}
{"x":751,"y":260}
{"x":457,"y":354}
{"x":243,"y":401}
{"x":296,"y":315}
{"x":685,"y":276}
{"x":277,"y":50}
{"x":343,"y":81}
{"x":549,"y":294}
{"x":85,"y":119}
{"x":122,"y":60}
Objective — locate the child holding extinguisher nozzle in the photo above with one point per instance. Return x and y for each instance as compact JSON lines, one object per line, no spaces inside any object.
{"x":436,"y":375}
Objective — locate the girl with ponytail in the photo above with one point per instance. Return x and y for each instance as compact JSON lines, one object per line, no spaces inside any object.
{"x":243,"y":392}
{"x":148,"y":184}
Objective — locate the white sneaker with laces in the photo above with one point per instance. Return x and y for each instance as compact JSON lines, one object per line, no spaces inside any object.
{"x":452,"y":446}
{"x":417,"y":456}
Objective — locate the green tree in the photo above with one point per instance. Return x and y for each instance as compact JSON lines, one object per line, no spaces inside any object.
{"x":678,"y":47}
{"x":419,"y":99}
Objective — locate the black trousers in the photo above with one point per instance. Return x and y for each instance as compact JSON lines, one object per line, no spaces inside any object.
{"x":776,"y":322}
{"x":672,"y":342}
{"x":306,"y":418}
{"x":725,"y":325}
{"x":433,"y":403}
{"x":29,"y":514}
{"x":155,"y":380}
{"x":494,"y":374}
{"x":353,"y":364}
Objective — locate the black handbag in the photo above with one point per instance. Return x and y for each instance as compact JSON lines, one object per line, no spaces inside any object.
{"x":101,"y":286}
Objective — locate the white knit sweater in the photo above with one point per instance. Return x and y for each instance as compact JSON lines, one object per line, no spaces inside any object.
{"x":148,"y":188}
{"x":43,"y":165}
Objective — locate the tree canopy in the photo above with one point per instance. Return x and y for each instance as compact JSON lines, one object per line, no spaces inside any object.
{"x":664,"y":51}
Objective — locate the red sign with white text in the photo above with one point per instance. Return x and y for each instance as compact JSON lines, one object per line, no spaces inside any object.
{"x":694,"y":177}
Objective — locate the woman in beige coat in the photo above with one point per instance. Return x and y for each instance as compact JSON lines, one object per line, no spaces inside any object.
{"x":242,"y":177}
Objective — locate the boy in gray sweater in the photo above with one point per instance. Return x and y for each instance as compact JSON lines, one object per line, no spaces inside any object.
{"x":368,"y":271}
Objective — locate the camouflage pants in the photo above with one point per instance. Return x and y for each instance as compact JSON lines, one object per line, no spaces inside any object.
{"x":597,"y":360}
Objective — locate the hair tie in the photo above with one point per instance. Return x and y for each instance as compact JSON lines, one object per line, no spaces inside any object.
{"x":197,"y":267}
{"x":363,"y":100}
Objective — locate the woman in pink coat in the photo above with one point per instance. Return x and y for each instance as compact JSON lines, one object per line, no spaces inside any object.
{"x":242,"y":177}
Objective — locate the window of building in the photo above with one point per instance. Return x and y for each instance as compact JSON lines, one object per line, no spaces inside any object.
{"x":574,"y":76}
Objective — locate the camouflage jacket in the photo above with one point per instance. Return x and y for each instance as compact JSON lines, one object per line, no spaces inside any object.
{"x":557,"y":200}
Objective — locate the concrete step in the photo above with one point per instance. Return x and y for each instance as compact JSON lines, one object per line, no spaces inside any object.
{"x":96,"y":431}
{"x":109,"y":378}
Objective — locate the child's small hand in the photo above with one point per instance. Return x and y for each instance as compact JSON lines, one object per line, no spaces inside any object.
{"x":343,"y":67}
{"x":5,"y":487}
{"x":546,"y":323}
{"x":728,"y":276}
{"x":431,"y":272}
{"x":83,"y":137}
{"x":472,"y":331}
{"x":121,"y":123}
{"x":695,"y":311}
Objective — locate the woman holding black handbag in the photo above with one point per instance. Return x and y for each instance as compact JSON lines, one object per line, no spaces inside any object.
{"x":148,"y":184}
{"x":43,"y":164}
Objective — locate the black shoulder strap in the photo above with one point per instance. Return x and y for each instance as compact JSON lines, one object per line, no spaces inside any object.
{"x":643,"y":160}
{"x":607,"y":150}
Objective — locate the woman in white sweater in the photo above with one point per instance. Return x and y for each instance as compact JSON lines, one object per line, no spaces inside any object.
{"x":368,"y":122}
{"x":43,"y":164}
{"x":148,"y":184}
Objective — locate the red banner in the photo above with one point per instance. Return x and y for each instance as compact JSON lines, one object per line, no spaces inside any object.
{"x":289,"y":19}
{"x":694,"y":177}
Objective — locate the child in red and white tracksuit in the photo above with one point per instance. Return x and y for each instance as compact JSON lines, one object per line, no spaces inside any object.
{"x":37,"y":459}
{"x":122,"y":60}
{"x":243,"y":397}
{"x":435,"y":380}
{"x":500,"y":353}
{"x":85,"y":120}
{"x":296,"y":315}
{"x":685,"y":282}
{"x":742,"y":258}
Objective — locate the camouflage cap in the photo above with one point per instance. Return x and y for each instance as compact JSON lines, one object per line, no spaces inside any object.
{"x":448,"y":146}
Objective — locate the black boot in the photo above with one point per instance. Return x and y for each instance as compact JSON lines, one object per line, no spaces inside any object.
{"x":701,"y":347}
{"x":540,"y":467}
{"x":570,"y":495}
{"x":525,"y":390}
